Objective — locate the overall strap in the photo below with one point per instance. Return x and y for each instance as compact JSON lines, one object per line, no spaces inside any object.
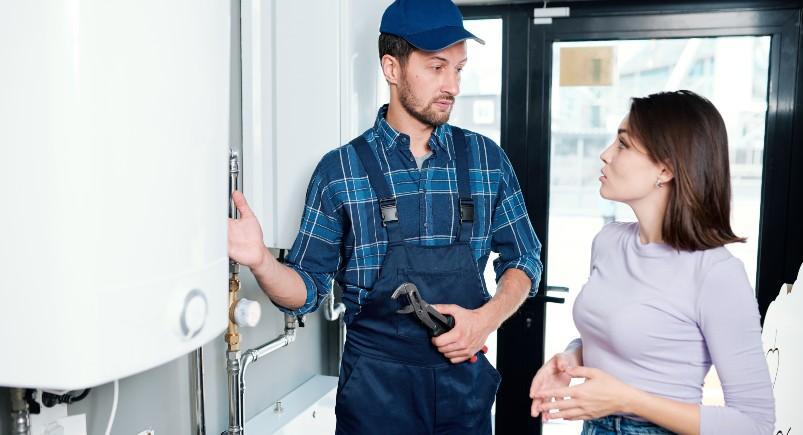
{"x":387,"y":202}
{"x":463,"y":186}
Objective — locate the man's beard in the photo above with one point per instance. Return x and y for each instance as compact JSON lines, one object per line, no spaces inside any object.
{"x":427,"y":115}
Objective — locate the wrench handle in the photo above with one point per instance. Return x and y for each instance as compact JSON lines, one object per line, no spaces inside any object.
{"x":443,"y":325}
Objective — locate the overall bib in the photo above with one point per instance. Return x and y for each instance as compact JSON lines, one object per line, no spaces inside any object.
{"x":393,"y":380}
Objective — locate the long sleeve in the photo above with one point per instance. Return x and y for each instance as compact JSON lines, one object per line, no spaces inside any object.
{"x":512,"y":234}
{"x":730,"y":323}
{"x":316,"y":252}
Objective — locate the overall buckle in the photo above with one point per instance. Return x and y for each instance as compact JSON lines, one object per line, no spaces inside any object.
{"x":466,"y":210}
{"x":387,"y":206}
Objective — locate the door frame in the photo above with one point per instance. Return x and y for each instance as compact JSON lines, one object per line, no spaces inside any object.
{"x":525,"y":137}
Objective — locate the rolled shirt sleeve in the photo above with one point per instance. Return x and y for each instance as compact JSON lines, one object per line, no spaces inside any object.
{"x":512,"y":234}
{"x":316,"y":252}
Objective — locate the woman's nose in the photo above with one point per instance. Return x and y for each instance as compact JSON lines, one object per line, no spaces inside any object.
{"x":606,"y":154}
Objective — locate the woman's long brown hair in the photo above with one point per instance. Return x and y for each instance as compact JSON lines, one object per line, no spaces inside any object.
{"x":686,"y":132}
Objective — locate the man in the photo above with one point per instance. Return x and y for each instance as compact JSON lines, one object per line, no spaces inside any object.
{"x":412,"y":200}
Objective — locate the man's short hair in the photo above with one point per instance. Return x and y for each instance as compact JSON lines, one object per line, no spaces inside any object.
{"x":394,"y":46}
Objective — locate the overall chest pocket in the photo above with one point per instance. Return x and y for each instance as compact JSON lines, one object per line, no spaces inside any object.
{"x":452,"y":286}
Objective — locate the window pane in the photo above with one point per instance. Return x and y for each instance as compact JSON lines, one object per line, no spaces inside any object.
{"x":480,"y":105}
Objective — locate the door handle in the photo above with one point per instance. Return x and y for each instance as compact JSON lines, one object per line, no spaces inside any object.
{"x":552,"y":299}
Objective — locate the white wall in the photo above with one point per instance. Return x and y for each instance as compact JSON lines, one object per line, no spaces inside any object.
{"x":310,"y":83}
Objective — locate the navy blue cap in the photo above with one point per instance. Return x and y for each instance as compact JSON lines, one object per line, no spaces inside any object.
{"x":429,"y":25}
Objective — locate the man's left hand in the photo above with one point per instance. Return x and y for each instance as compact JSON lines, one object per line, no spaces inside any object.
{"x":471,"y":329}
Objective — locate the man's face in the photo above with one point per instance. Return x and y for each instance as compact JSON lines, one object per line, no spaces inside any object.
{"x":430,"y":81}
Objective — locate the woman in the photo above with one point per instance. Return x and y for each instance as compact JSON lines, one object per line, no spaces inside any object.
{"x":664,"y":299}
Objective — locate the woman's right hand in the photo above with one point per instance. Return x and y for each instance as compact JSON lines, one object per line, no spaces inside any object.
{"x":553,"y":375}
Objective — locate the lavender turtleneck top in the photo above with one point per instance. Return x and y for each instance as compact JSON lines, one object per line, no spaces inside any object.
{"x":657,"y":319}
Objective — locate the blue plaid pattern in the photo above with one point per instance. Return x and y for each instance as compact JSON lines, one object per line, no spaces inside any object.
{"x":342,"y":238}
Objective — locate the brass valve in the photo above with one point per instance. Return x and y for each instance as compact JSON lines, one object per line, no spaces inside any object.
{"x":232,"y":335}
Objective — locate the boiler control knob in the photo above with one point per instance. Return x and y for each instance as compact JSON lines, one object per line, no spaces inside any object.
{"x":193,"y":315}
{"x":247,"y":313}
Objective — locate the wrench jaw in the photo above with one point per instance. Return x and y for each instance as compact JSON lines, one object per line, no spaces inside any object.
{"x":408,"y":309}
{"x":436,"y":322}
{"x":415,"y":303}
{"x":404,"y":289}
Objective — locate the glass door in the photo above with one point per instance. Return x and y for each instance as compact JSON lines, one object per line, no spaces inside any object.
{"x":564,"y":88}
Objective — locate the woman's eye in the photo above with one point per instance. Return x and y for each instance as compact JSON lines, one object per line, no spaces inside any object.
{"x":621,"y":145}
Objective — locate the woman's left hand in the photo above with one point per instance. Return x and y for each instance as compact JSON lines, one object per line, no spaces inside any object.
{"x":599,"y":396}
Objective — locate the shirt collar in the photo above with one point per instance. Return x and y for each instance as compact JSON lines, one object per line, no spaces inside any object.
{"x":390,"y":137}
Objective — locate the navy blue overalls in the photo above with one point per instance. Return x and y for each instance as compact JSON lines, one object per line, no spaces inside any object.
{"x":393,"y":380}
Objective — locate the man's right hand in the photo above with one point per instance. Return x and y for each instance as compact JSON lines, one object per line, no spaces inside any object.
{"x":552,"y":375}
{"x":245,"y":235}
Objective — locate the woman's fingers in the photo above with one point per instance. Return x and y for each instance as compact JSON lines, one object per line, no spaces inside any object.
{"x":572,"y":414}
{"x":559,"y":405}
{"x":556,"y":392}
{"x":534,"y":408}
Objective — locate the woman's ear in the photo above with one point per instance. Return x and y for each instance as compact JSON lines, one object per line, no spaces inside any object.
{"x":666,"y":174}
{"x":391,"y":68}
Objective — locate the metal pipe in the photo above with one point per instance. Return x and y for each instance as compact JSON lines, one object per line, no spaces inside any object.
{"x":20,"y":417}
{"x":234,"y":184}
{"x":289,"y":336}
{"x":233,"y":334}
{"x":334,"y":312}
{"x":234,"y":181}
{"x":235,"y":390}
{"x":197,"y":396}
{"x":237,"y":364}
{"x":341,"y":340}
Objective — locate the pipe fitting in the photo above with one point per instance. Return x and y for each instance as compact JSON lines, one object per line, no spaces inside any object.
{"x":237,"y":364}
{"x":20,"y":416}
{"x":331,"y":311}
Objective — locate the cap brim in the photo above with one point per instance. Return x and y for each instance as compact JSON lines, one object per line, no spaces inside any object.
{"x":438,"y":39}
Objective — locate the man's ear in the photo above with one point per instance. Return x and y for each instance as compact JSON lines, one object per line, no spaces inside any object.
{"x":391,"y":68}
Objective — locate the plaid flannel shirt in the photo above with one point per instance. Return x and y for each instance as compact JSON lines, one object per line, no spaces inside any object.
{"x":342,"y":238}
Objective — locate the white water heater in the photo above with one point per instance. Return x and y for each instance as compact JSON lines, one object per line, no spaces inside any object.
{"x":114,"y":131}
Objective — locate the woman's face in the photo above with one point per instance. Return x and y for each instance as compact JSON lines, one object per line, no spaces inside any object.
{"x":628,"y":174}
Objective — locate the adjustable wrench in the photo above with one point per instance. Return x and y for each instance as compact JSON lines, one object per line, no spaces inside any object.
{"x":436,"y":322}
